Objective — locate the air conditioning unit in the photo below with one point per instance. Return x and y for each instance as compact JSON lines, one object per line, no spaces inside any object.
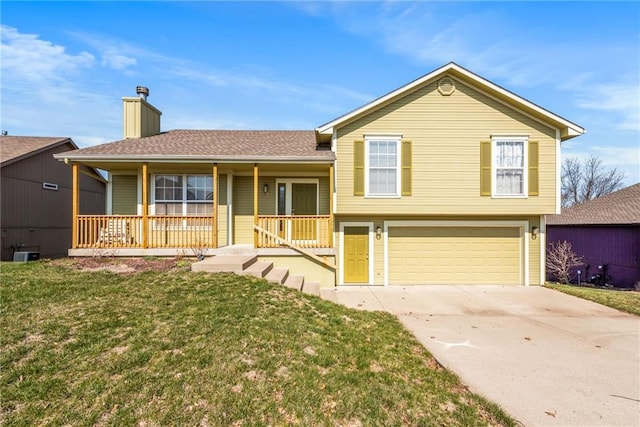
{"x":26,"y":256}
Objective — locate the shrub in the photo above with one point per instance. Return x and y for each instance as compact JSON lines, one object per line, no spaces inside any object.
{"x":561,"y":259}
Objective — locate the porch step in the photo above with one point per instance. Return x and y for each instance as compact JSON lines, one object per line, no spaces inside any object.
{"x":225,"y":263}
{"x":311,"y":288}
{"x":250,"y":266}
{"x":294,"y":281}
{"x":329,"y":294}
{"x":259,"y":269}
{"x":277,"y":275}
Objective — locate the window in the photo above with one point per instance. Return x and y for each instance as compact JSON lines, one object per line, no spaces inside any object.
{"x":183,"y":194}
{"x":382,"y":167}
{"x":509,"y":167}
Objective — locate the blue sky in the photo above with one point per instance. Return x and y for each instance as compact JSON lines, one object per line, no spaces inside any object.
{"x":296,"y":65}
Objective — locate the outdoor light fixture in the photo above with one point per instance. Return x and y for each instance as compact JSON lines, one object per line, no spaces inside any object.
{"x":265,"y":189}
{"x":378,"y":232}
{"x":534,"y":232}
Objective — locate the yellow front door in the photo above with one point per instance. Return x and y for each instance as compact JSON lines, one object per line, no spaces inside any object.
{"x":356,"y":254}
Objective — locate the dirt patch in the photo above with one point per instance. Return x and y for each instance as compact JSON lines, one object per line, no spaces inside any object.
{"x":124,"y":265}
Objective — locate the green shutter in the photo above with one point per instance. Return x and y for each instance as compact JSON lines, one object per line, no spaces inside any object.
{"x":406,"y":167}
{"x":358,"y":167}
{"x":485,"y":168}
{"x":533,"y":168}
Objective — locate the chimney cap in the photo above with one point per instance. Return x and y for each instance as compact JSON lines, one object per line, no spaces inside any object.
{"x":142,"y":91}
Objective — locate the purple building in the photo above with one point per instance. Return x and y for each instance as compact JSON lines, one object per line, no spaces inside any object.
{"x":604,"y":231}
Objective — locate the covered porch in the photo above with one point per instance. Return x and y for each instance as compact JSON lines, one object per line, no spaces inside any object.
{"x":197,"y":207}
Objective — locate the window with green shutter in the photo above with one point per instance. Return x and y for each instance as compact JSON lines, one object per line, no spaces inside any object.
{"x":533,"y":168}
{"x":485,"y":168}
{"x":509,"y":167}
{"x":406,"y":167}
{"x":358,"y":167}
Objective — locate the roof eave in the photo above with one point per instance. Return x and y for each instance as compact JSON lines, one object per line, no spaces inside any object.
{"x":567,"y":128}
{"x":55,"y":144}
{"x":192,"y":159}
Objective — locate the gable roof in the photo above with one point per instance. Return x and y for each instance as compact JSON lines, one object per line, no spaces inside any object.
{"x":567,"y":129}
{"x":218,"y":145}
{"x":619,"y":207}
{"x":16,"y":148}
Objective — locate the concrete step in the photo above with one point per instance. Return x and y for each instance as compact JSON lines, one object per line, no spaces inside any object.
{"x":225,"y":263}
{"x":277,"y":275}
{"x":294,"y":281}
{"x":311,"y":288}
{"x":259,"y":269}
{"x":329,"y":294}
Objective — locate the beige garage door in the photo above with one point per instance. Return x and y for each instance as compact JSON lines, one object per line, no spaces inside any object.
{"x":454,"y":255}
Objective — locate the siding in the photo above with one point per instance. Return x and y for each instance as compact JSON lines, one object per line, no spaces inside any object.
{"x":243,"y":203}
{"x":446,"y":132}
{"x":124,"y":189}
{"x":618,"y":246}
{"x":222,"y":210}
{"x":378,"y":245}
{"x":38,"y":218}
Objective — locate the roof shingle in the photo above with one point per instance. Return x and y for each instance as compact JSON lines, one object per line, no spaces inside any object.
{"x":620,"y":207}
{"x":243,"y":144}
{"x":14,"y":147}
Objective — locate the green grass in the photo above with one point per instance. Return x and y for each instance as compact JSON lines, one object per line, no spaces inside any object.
{"x":179,"y":348}
{"x":627,"y":301}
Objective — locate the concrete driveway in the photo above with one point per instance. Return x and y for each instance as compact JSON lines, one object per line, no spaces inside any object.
{"x":547,"y":358}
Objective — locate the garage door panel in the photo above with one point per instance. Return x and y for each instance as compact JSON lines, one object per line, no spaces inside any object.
{"x":454,"y":255}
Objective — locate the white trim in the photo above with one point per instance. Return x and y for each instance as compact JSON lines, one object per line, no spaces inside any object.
{"x":139,"y":194}
{"x":523,"y":226}
{"x":385,"y":138}
{"x":49,"y":186}
{"x":230,"y":208}
{"x":543,"y":249}
{"x":455,"y":70}
{"x":333,"y":192}
{"x":371,"y":253}
{"x":558,"y":164}
{"x":525,"y":168}
{"x":184,"y":201}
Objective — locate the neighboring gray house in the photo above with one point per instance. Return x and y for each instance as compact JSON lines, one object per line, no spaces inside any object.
{"x":604,"y":231}
{"x":35,"y":202}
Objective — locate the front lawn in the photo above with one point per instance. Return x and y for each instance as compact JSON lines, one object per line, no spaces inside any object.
{"x":179,"y":348}
{"x":628,"y":301}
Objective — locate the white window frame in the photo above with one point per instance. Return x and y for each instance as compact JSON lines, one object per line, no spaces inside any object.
{"x":184,"y":200}
{"x":525,"y":166}
{"x":386,"y":138}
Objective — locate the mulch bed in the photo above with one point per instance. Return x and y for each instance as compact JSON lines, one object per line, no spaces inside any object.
{"x":124,"y":265}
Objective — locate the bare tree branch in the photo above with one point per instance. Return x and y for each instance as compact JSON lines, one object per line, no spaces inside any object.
{"x":587,"y":180}
{"x":561,"y":260}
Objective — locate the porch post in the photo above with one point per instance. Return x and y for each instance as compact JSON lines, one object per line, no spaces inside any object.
{"x":255,"y":204}
{"x":75,"y":203}
{"x":145,"y":206}
{"x":214,"y":226}
{"x":331,"y":205}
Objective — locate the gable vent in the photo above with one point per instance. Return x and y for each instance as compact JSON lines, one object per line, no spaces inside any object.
{"x":446,"y":86}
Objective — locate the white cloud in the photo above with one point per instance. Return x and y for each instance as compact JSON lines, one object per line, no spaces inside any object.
{"x":622,"y":98}
{"x":117,"y":61}
{"x":25,"y":57}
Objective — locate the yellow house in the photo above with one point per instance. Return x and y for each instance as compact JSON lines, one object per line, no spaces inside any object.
{"x":445,"y":180}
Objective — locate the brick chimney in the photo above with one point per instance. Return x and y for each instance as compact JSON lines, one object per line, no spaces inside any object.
{"x":140,"y":118}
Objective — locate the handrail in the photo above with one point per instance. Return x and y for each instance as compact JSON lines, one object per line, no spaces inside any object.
{"x":307,"y":231}
{"x":127,"y":231}
{"x":295,"y":247}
